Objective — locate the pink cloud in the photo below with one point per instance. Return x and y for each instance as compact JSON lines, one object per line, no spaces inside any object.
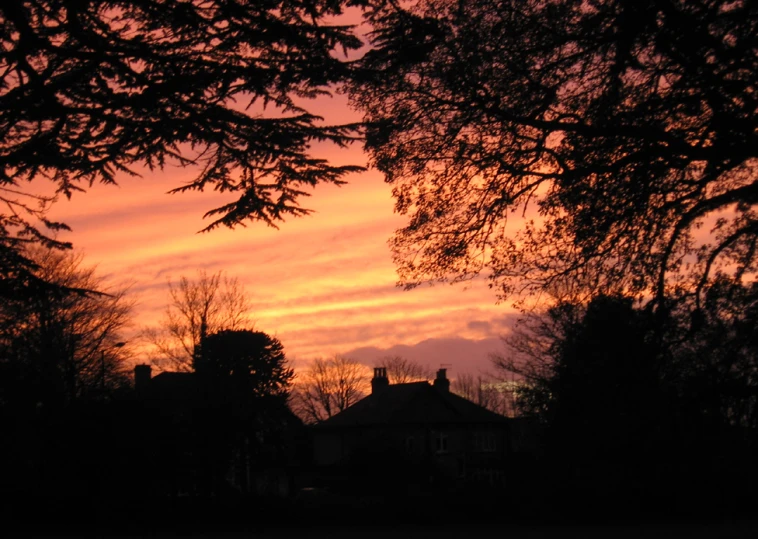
{"x":324,"y":283}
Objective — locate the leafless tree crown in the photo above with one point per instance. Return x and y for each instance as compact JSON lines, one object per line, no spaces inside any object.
{"x":196,"y":309}
{"x":327,"y":387}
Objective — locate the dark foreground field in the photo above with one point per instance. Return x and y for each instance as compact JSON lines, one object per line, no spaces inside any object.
{"x":693,"y":530}
{"x":690,"y":530}
{"x":405,"y":518}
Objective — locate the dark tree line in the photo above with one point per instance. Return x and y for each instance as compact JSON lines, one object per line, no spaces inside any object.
{"x":63,"y":343}
{"x":640,"y":411}
{"x":71,"y":415}
{"x":62,"y":371}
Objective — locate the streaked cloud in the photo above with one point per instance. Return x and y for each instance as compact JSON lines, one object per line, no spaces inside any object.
{"x":324,"y":284}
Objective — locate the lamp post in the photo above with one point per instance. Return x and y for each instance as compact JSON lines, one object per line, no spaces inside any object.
{"x":102,"y":367}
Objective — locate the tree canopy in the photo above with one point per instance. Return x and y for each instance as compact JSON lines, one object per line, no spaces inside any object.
{"x":610,"y":143}
{"x":252,"y":360}
{"x":62,"y":344}
{"x":89,"y":90}
{"x":631,"y":401}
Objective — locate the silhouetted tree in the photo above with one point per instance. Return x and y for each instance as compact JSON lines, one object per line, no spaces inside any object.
{"x":634,"y":399}
{"x":244,"y":426}
{"x":92,"y":89}
{"x":197,"y":309}
{"x":548,"y":141}
{"x":62,"y":344}
{"x":597,"y":381}
{"x":716,"y":352}
{"x":62,"y":370}
{"x":533,"y":353}
{"x":328,"y":386}
{"x":251,"y":359}
{"x":486,"y":390}
{"x":218,"y":428}
{"x":401,"y":370}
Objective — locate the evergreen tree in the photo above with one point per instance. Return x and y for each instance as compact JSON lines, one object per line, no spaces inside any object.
{"x":89,"y":90}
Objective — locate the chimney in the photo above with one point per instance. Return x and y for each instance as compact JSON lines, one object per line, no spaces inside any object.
{"x":142,"y":376}
{"x":441,"y":382}
{"x":380,"y":380}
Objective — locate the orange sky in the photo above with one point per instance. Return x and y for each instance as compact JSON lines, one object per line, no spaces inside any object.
{"x":323,"y":284}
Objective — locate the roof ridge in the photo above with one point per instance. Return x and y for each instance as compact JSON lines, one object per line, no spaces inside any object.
{"x":397,"y":403}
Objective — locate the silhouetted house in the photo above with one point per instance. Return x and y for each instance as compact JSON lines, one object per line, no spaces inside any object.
{"x":401,"y":429}
{"x":213,"y":442}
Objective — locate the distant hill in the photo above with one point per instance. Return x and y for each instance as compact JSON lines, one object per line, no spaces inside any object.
{"x":459,"y":355}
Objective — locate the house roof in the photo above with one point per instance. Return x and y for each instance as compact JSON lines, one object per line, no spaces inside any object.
{"x":174,"y":385}
{"x":414,"y":403}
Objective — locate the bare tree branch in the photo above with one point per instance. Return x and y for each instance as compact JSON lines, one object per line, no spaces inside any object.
{"x":401,"y":370}
{"x":196,"y":309}
{"x":327,"y":387}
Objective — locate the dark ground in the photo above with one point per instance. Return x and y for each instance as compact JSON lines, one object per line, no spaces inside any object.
{"x":690,"y":530}
{"x":346,"y":519}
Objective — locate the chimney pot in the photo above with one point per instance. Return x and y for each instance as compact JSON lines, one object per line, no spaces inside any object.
{"x":441,"y":382}
{"x":380,"y":380}
{"x":142,"y":376}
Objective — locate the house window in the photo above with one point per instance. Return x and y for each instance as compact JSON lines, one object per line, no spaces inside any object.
{"x":440,"y":442}
{"x":485,"y":442}
{"x":490,"y":442}
{"x":490,"y":476}
{"x":409,"y":444}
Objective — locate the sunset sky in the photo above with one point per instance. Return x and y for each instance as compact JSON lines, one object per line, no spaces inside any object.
{"x":323,"y":284}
